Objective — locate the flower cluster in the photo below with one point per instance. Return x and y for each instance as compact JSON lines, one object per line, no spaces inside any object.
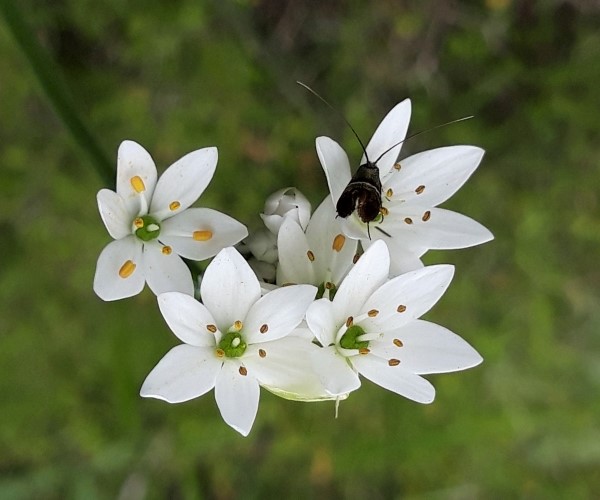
{"x":313,"y":302}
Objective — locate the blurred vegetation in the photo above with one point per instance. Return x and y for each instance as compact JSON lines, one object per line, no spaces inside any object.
{"x":177,"y":76}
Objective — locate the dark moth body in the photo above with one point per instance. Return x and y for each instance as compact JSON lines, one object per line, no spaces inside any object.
{"x":363,"y":194}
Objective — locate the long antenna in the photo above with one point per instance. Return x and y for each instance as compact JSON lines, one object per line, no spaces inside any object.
{"x":339,"y":114}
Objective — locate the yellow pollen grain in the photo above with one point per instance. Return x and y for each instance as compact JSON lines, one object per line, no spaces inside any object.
{"x":398,"y":343}
{"x":137,"y":184}
{"x":394,"y":362}
{"x":384,"y":211}
{"x":219,"y":352}
{"x":138,"y":222}
{"x":426,"y":216}
{"x":364,"y":350}
{"x":264,"y":328}
{"x":372,"y":313}
{"x":310,"y":255}
{"x":420,"y":189}
{"x":202,"y":235}
{"x":389,"y":193}
{"x":262,"y":353}
{"x":127,"y":269}
{"x":174,"y":205}
{"x":243,"y":371}
{"x":408,"y":220}
{"x":238,"y":325}
{"x":401,"y":308}
{"x":397,"y":166}
{"x":349,"y":321}
{"x":338,"y":242}
{"x":166,"y":250}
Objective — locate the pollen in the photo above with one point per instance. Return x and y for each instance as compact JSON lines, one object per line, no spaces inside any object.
{"x":398,"y":343}
{"x":364,"y":350}
{"x":426,"y":216}
{"x":264,"y":328}
{"x":401,"y":308}
{"x":137,"y":184}
{"x":238,"y":325}
{"x":174,"y":205}
{"x":389,"y":193}
{"x":211,"y":328}
{"x":219,"y":352}
{"x":166,"y":250}
{"x":127,"y":269}
{"x":372,"y":313}
{"x":408,"y":220}
{"x":397,"y":166}
{"x":262,"y":353}
{"x":338,"y":242}
{"x":138,"y":222}
{"x":349,"y":321}
{"x":243,"y":371}
{"x":384,"y":211}
{"x":310,"y":255}
{"x":202,"y":235}
{"x":393,"y":362}
{"x":420,"y":189}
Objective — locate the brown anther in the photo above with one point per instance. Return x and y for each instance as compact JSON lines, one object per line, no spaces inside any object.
{"x":166,"y":250}
{"x":174,"y":205}
{"x":398,"y":343}
{"x":329,"y":285}
{"x":264,"y":328}
{"x":389,"y":193}
{"x":364,"y":350}
{"x":397,"y":166}
{"x":219,"y":352}
{"x":262,"y":353}
{"x":310,"y":255}
{"x":384,"y":211}
{"x":127,"y":269}
{"x":338,"y":242}
{"x":372,"y":313}
{"x":401,"y":308}
{"x":408,"y":220}
{"x":349,"y":321}
{"x":426,"y":216}
{"x":243,"y":371}
{"x":420,"y":189}
{"x":394,"y":362}
{"x":211,"y":328}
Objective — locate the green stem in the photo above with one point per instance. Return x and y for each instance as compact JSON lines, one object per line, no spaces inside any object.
{"x":50,"y":79}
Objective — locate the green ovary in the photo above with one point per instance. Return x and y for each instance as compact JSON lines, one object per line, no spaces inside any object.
{"x":148,"y":228}
{"x":349,"y":339}
{"x":233,"y":344}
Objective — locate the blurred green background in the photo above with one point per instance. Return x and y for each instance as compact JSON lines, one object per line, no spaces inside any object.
{"x":177,"y":76}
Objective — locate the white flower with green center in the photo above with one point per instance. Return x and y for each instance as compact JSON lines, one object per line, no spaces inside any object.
{"x":320,"y":256}
{"x":409,"y":221}
{"x":234,"y":342}
{"x":372,"y":328}
{"x":154,"y":227}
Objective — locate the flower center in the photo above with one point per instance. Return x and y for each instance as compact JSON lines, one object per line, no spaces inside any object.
{"x":350,"y":339}
{"x":232,"y":344}
{"x":147,"y":227}
{"x":326,"y":289}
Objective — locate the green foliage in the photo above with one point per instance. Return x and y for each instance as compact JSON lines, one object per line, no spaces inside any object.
{"x":178,"y":76}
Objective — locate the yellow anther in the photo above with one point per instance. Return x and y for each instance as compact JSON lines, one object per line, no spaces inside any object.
{"x":401,"y":308}
{"x":264,"y":328}
{"x":202,"y":235}
{"x":243,"y":371}
{"x":338,"y":242}
{"x":174,"y":205}
{"x":238,"y":325}
{"x":372,"y":313}
{"x":394,"y":362}
{"x":420,"y":189}
{"x":138,"y":222}
{"x":310,"y":255}
{"x":127,"y":269}
{"x":398,"y":343}
{"x":137,"y":184}
{"x":166,"y":250}
{"x":262,"y":353}
{"x":408,"y":220}
{"x":364,"y":350}
{"x":384,"y":211}
{"x":219,"y":352}
{"x":211,"y":328}
{"x":397,"y":166}
{"x":389,"y":193}
{"x":426,"y":216}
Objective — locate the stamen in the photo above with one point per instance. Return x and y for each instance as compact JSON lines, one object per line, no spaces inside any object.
{"x":174,"y":205}
{"x":401,"y":308}
{"x":397,"y":166}
{"x":384,"y":211}
{"x":389,"y":193}
{"x":349,"y":321}
{"x":127,"y":269}
{"x":310,"y":255}
{"x":138,"y":222}
{"x":166,"y":250}
{"x":398,"y":343}
{"x":338,"y":242}
{"x":372,"y":313}
{"x":219,"y":352}
{"x":202,"y":235}
{"x":364,"y":350}
{"x":408,"y":220}
{"x":243,"y":371}
{"x":137,"y":184}
{"x":329,"y":285}
{"x":426,"y":216}
{"x":211,"y":328}
{"x":262,"y":353}
{"x":420,"y":189}
{"x":264,"y":328}
{"x":238,"y":325}
{"x":394,"y":362}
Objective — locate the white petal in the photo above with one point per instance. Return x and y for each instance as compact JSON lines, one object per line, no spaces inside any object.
{"x":402,"y":258}
{"x":367,"y":275}
{"x":294,"y":263}
{"x":187,"y":318}
{"x":287,"y":202}
{"x":321,"y":321}
{"x":178,"y":232}
{"x":390,"y":131}
{"x":334,"y":161}
{"x":237,"y":397}
{"x":229,"y":288}
{"x":426,"y":348}
{"x":394,"y":378}
{"x":165,"y":272}
{"x":185,"y":372}
{"x":134,"y":162}
{"x":333,"y":370}
{"x":183,"y":182}
{"x":114,"y":214}
{"x":118,"y":255}
{"x":436,"y":174}
{"x":284,"y":368}
{"x":406,"y":297}
{"x":277,"y":313}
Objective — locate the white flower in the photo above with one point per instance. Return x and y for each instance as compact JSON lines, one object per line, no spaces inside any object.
{"x":235,"y":341}
{"x":153,"y":226}
{"x":320,"y":256}
{"x":411,"y":191}
{"x":287,"y":202}
{"x":372,"y":328}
